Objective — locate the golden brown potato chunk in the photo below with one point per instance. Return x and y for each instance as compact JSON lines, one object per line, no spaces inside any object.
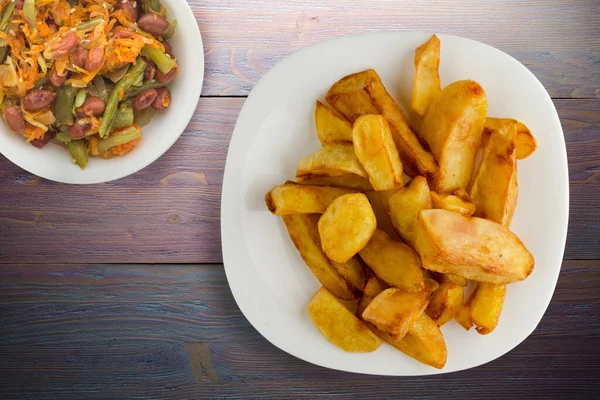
{"x":379,"y":201}
{"x":373,"y":287}
{"x":452,"y":202}
{"x":363,"y":93}
{"x":334,"y":159}
{"x":446,"y":302}
{"x":424,"y":342}
{"x":305,"y":235}
{"x":404,"y":207}
{"x":494,"y":190}
{"x":332,"y":127}
{"x":346,"y":226}
{"x":375,"y":148}
{"x":452,"y":128}
{"x":350,"y":181}
{"x":526,"y":143}
{"x":426,"y":85}
{"x":474,"y":248}
{"x":339,"y":325}
{"x":394,"y":310}
{"x":485,"y":305}
{"x":292,"y":198}
{"x":394,"y":262}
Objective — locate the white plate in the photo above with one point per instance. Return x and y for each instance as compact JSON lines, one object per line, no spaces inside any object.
{"x":54,"y":162}
{"x":270,"y":282}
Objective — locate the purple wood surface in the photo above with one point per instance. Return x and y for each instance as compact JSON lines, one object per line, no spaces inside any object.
{"x":556,"y":39}
{"x":158,"y":332}
{"x":169,"y":212}
{"x":75,"y":327}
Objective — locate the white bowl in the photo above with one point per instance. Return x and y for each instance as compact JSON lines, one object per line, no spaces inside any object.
{"x":270,"y":282}
{"x":54,"y":162}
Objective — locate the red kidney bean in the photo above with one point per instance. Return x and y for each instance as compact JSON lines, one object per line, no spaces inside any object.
{"x":144,"y":99}
{"x":130,"y":9}
{"x":52,"y":26}
{"x":91,"y":106}
{"x":150,"y":71}
{"x":154,"y":24}
{"x":122,"y":33}
{"x":62,"y":46}
{"x":56,"y":79}
{"x":19,"y":5}
{"x":14,"y":119}
{"x":38,"y":99}
{"x":48,"y":136}
{"x":168,"y":48}
{"x":80,"y":57}
{"x":94,"y":59}
{"x":83,"y":127}
{"x":163,"y":99}
{"x":166,"y":78}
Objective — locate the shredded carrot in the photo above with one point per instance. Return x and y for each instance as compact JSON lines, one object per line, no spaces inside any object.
{"x":32,"y":132}
{"x":93,"y":146}
{"x":125,"y":148}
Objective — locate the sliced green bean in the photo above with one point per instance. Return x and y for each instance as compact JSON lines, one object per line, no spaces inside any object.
{"x":29,"y":12}
{"x":149,"y":6}
{"x":62,"y":138}
{"x":171,"y":30}
{"x":123,"y":117}
{"x":147,"y":85}
{"x":119,"y":137}
{"x":6,"y":15}
{"x":117,"y":74}
{"x":92,"y":23}
{"x":101,"y":87}
{"x":80,"y":97}
{"x":163,"y":61}
{"x":78,"y":150}
{"x":118,"y":93}
{"x":63,"y":105}
{"x":144,"y":117}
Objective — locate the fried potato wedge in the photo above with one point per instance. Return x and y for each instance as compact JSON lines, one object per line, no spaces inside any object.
{"x":363,"y":93}
{"x":334,"y":159}
{"x":494,"y":189}
{"x":485,"y":305}
{"x":394,"y":310}
{"x":474,"y":248}
{"x":404,"y":207}
{"x":350,"y":181}
{"x":292,"y":198}
{"x":393,"y":262}
{"x":375,"y":148}
{"x":346,"y":226}
{"x":452,"y":128}
{"x":445,"y":302}
{"x":303,"y":231}
{"x":463,"y":317}
{"x":424,"y":342}
{"x":526,"y":143}
{"x":332,"y":127}
{"x":379,"y":201}
{"x":443,"y":278}
{"x":373,"y":288}
{"x":426,"y":85}
{"x":452,"y":202}
{"x":339,"y":325}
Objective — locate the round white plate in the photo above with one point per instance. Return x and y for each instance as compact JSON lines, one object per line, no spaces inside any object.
{"x":54,"y":162}
{"x":270,"y":282}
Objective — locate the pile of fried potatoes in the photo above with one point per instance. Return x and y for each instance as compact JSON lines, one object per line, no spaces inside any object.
{"x":401,"y":219}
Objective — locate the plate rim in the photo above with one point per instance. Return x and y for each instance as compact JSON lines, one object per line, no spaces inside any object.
{"x":228,"y":191}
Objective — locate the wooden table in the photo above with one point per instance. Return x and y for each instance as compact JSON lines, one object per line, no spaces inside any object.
{"x":117,"y":290}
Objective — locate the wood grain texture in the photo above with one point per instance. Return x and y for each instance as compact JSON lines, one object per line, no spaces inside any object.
{"x":158,"y":332}
{"x":557,"y":39}
{"x":169,"y":212}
